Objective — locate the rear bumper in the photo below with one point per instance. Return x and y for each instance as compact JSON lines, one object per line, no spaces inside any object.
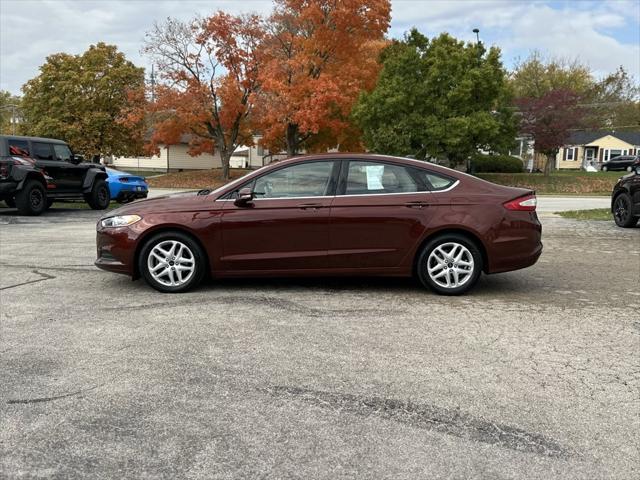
{"x":517,"y":244}
{"x":8,"y":188}
{"x":129,"y":195}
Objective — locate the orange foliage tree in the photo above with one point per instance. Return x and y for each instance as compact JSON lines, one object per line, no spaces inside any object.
{"x":318,"y":56}
{"x":208,"y":72}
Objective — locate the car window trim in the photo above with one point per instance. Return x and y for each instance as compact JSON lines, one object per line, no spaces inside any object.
{"x":331,"y":186}
{"x":342,"y":181}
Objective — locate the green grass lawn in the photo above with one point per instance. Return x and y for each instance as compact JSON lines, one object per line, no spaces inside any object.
{"x":594,"y":214}
{"x":559,"y":183}
{"x":81,"y":205}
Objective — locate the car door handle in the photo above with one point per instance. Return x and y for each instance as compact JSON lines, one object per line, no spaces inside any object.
{"x":310,"y":206}
{"x":416,"y":204}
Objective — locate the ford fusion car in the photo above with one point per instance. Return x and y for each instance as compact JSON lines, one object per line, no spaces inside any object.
{"x":331,"y":214}
{"x":625,"y":200}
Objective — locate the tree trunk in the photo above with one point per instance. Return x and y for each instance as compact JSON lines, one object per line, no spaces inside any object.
{"x":225,"y":158}
{"x":292,"y":140}
{"x":549,"y":165}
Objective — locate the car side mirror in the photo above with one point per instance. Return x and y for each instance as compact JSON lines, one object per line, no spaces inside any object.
{"x":245,"y":197}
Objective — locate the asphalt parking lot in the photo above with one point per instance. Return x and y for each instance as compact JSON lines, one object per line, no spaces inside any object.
{"x":534,"y":375}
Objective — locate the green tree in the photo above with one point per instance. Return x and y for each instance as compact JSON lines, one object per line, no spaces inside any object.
{"x":80,"y":99}
{"x":536,"y":76}
{"x":9,"y":113}
{"x":438,"y":98}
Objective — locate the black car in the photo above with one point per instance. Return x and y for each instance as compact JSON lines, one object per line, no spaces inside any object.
{"x":34,"y":172}
{"x":624,"y":162}
{"x":625,"y":199}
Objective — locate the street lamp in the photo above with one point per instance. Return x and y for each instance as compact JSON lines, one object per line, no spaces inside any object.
{"x":477,"y":32}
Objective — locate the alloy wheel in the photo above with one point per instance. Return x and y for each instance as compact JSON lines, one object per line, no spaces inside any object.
{"x":36,"y":198}
{"x":171,"y":263}
{"x":621,"y":210}
{"x":450,"y":265}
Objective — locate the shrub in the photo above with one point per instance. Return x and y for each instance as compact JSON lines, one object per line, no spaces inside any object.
{"x":496,"y":164}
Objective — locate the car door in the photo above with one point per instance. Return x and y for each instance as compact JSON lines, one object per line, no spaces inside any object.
{"x":286,"y":226}
{"x":380,"y":212}
{"x":43,"y":154}
{"x":74,"y":173}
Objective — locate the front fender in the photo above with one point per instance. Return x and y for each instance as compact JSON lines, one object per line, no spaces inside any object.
{"x":90,"y":177}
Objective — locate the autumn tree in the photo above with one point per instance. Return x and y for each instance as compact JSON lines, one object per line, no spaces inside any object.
{"x":549,"y":120}
{"x":208,"y":73}
{"x":79,"y":98}
{"x":318,"y":56}
{"x":438,"y":98}
{"x":610,"y":102}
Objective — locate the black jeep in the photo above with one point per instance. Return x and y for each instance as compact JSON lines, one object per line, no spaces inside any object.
{"x":34,"y":172}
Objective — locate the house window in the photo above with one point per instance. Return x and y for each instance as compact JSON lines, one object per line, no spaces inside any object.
{"x":570,"y":154}
{"x":610,"y":154}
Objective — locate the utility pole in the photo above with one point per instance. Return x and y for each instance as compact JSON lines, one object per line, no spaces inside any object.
{"x":477,"y":32}
{"x":153,"y":84}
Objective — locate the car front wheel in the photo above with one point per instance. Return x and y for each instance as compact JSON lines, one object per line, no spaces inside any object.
{"x":604,"y":169}
{"x":622,"y":211}
{"x":99,"y":197}
{"x":450,"y":264}
{"x":172,"y":262}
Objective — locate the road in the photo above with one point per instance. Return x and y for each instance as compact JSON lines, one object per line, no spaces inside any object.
{"x":534,"y":375}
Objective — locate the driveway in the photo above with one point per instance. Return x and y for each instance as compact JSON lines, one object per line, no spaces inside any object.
{"x":534,"y":375}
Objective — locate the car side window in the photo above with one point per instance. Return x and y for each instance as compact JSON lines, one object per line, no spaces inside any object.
{"x":435,"y":181}
{"x":366,"y":178}
{"x":62,"y":152}
{"x":42,"y":151}
{"x":19,"y":148}
{"x":303,"y":180}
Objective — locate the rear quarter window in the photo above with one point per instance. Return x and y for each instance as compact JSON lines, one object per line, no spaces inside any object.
{"x":435,"y":181}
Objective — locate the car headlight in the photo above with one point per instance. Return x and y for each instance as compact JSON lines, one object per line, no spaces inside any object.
{"x":120,"y":221}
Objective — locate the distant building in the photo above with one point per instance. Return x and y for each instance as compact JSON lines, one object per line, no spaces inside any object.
{"x":596,"y":147}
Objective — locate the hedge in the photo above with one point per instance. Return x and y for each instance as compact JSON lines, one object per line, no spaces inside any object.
{"x":496,"y":164}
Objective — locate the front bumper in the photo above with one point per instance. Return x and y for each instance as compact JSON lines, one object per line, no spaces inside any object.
{"x":115,"y":249}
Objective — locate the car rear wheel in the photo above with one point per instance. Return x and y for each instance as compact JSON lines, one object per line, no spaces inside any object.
{"x":32,"y":199}
{"x":450,"y":264}
{"x":629,"y":168}
{"x":172,"y":262}
{"x":99,"y":197}
{"x":622,"y":211}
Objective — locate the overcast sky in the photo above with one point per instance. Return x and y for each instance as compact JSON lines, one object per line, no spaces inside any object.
{"x":603,"y":34}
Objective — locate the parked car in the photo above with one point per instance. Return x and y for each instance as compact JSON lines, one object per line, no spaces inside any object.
{"x":625,"y":200}
{"x":332,"y":214}
{"x":34,"y":172}
{"x":625,"y":162}
{"x":125,"y":187}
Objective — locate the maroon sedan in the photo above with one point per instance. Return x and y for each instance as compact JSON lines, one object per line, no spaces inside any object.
{"x":338,"y":214}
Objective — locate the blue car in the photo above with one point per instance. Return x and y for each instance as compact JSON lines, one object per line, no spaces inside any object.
{"x":125,"y":187}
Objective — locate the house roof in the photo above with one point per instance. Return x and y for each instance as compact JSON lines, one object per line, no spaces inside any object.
{"x":586,"y":137}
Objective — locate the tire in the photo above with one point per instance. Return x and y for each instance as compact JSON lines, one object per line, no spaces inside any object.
{"x":622,"y":214}
{"x":604,"y":169}
{"x":100,"y":197}
{"x":435,"y":273}
{"x":629,"y":168}
{"x":11,"y":203}
{"x":166,"y":253}
{"x":32,"y":199}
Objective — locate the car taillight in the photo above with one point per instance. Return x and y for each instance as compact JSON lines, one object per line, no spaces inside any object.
{"x":527,"y":203}
{"x":124,"y":179}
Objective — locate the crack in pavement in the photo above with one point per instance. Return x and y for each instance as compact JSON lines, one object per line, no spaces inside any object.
{"x":49,"y":399}
{"x":429,"y":417}
{"x":45,"y":276}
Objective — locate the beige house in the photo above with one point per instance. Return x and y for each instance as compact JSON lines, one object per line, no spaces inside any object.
{"x":596,"y":147}
{"x":174,"y":158}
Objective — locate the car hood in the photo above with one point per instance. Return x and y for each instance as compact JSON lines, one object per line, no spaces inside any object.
{"x":177,"y":202}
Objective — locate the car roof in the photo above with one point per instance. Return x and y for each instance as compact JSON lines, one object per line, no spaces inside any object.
{"x":34,"y":139}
